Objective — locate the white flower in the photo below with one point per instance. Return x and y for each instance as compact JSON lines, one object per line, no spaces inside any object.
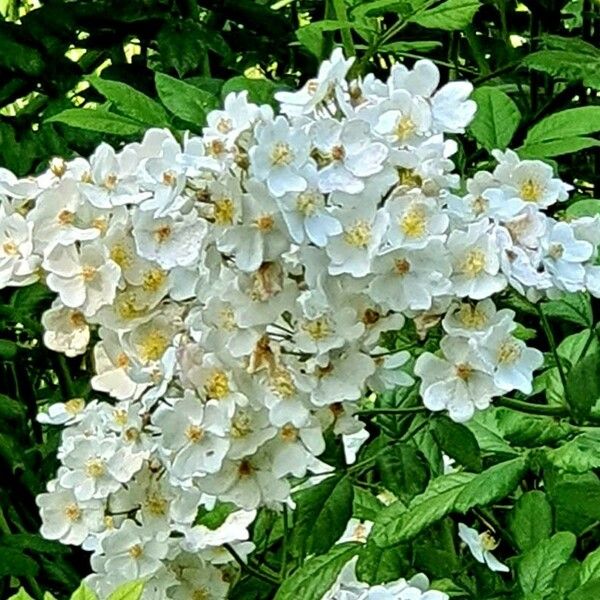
{"x":347,"y":153}
{"x":405,"y":120}
{"x":281,"y":151}
{"x":228,"y":124}
{"x":475,"y":262}
{"x":194,"y":434}
{"x":65,"y":330}
{"x":481,"y":546}
{"x":63,"y":413}
{"x":18,"y":265}
{"x":459,"y":383}
{"x":86,"y":279}
{"x":68,"y":519}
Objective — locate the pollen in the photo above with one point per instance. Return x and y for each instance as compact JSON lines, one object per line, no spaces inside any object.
{"x":10,"y":248}
{"x":194,"y":433}
{"x":162,"y":233}
{"x":404,"y":128}
{"x":135,"y":551}
{"x":409,"y":178}
{"x":153,"y":346}
{"x":58,"y":167}
{"x":474,"y":263}
{"x":217,"y":385}
{"x":265,"y":223}
{"x":224,"y":125}
{"x":282,"y":383}
{"x":359,"y":235}
{"x":401,"y":266}
{"x":215,"y":147}
{"x":66,"y":217}
{"x":531,"y":191}
{"x":75,"y":405}
{"x":464,"y":371}
{"x":72,"y":512}
{"x":241,"y":426}
{"x":556,"y":251}
{"x":169,"y":178}
{"x":77,"y":319}
{"x":479,"y":205}
{"x":488,"y":541}
{"x":154,"y":279}
{"x":122,"y":360}
{"x":308,"y":202}
{"x":245,"y":469}
{"x":338,"y":153}
{"x":100,"y":223}
{"x":509,"y":352}
{"x":120,"y":416}
{"x":127,"y":306}
{"x":413,"y":222}
{"x":471,"y":316}
{"x":317,"y":329}
{"x":288,"y":433}
{"x":95,"y":468}
{"x":111,"y":181}
{"x":200,"y":594}
{"x":224,"y":211}
{"x":120,"y":254}
{"x":281,"y":154}
{"x":227,"y":319}
{"x":156,"y":504}
{"x":88,"y":272}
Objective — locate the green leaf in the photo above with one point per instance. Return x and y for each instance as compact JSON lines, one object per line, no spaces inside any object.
{"x":8,"y":350}
{"x":83,"y":592}
{"x":128,"y":591}
{"x":563,"y":132}
{"x":583,"y":208}
{"x":31,"y":541}
{"x":587,"y":591}
{"x":98,"y":120}
{"x":16,"y":564}
{"x":579,"y":455}
{"x":365,"y":506}
{"x":496,"y":119}
{"x":458,"y":442}
{"x":484,"y":427}
{"x":403,"y":471}
{"x":530,"y":520}
{"x":396,"y":523}
{"x":184,"y":100}
{"x":451,"y":15}
{"x":215,"y":517}
{"x":322,"y":513}
{"x":571,"y":307}
{"x":317,"y":575}
{"x":571,"y":348}
{"x":131,"y":102}
{"x":491,"y":485}
{"x":260,"y":91}
{"x":182,"y":45}
{"x":412,"y":47}
{"x":21,"y":595}
{"x":590,"y":567}
{"x":567,"y":64}
{"x":583,"y":385}
{"x":537,"y":568}
{"x":530,"y":430}
{"x":380,"y":565}
{"x":311,"y":35}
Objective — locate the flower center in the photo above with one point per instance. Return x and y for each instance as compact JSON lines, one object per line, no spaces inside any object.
{"x":227,"y":319}
{"x":200,"y":594}
{"x":464,"y":371}
{"x":241,"y":426}
{"x":120,"y":416}
{"x":122,"y":360}
{"x":224,"y":125}
{"x":409,"y":178}
{"x":359,"y":235}
{"x":531,"y":191}
{"x":282,"y":383}
{"x":401,"y":266}
{"x":154,"y":280}
{"x":72,"y":512}
{"x":308,"y":202}
{"x":74,"y":405}
{"x":156,"y":505}
{"x":10,"y":248}
{"x":217,"y":385}
{"x":110,"y":181}
{"x":404,"y":128}
{"x":169,"y":178}
{"x":265,"y":222}
{"x":153,"y":346}
{"x":288,"y":433}
{"x":88,"y":272}
{"x":121,"y":255}
{"x":224,"y":211}
{"x":194,"y":433}
{"x":66,"y":217}
{"x":281,"y":154}
{"x":556,"y":251}
{"x":162,"y":233}
{"x":412,"y":224}
{"x":509,"y":352}
{"x":245,"y":468}
{"x":317,"y":329}
{"x":479,"y":205}
{"x":488,"y":541}
{"x":95,"y":467}
{"x":135,"y":551}
{"x":474,"y":263}
{"x":338,"y":153}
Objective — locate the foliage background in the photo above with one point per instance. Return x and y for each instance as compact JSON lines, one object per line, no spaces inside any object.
{"x":530,"y":61}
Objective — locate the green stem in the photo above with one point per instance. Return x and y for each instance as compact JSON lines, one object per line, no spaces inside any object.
{"x":341,"y":14}
{"x":478,"y":53}
{"x":64,"y":377}
{"x":284,"y":549}
{"x":532,"y":409}
{"x":553,"y":347}
{"x":251,"y":570}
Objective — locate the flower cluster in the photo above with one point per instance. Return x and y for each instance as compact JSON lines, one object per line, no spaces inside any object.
{"x":238,"y":284}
